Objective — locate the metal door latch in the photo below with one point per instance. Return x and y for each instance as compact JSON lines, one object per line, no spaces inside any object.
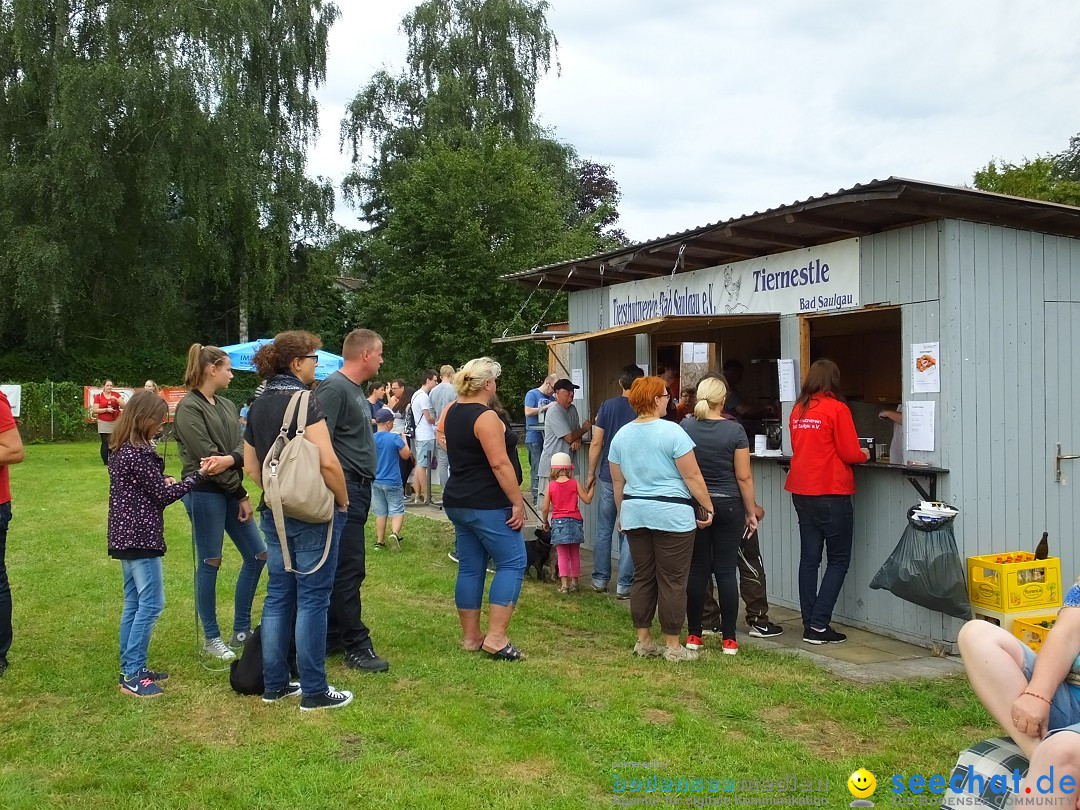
{"x":1059,"y":477}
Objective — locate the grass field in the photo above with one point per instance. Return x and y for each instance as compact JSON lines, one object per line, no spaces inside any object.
{"x":443,"y":729}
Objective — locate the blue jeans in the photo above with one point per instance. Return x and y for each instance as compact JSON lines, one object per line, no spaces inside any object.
{"x":144,"y":599}
{"x":212,"y":515}
{"x":826,"y":522}
{"x":296,"y":605}
{"x":536,"y":450}
{"x":483,"y":534}
{"x":606,"y":515}
{"x":5,"y":588}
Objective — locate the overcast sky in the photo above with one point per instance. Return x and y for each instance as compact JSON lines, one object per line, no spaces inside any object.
{"x":710,"y":109}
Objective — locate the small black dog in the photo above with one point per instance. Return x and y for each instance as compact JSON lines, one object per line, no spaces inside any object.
{"x":537,"y":553}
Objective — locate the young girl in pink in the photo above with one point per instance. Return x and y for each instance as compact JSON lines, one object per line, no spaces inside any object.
{"x":566,"y":526}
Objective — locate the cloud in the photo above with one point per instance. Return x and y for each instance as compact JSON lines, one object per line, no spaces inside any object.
{"x":708,"y":111}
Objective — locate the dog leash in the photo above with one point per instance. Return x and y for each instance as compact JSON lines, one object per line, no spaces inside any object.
{"x":533,"y":510}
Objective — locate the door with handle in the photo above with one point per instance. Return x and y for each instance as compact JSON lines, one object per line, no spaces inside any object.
{"x":1061,"y":383}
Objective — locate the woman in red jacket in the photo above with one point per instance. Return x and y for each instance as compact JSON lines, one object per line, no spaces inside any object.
{"x":824,"y":446}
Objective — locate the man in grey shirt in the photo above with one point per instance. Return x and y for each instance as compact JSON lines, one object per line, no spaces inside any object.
{"x":441,"y":397}
{"x":562,"y":430}
{"x":348,"y":418}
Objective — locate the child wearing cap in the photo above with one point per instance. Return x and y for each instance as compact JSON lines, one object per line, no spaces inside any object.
{"x":387,"y":499}
{"x":566,"y":526}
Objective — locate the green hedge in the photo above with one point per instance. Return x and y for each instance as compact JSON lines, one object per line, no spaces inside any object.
{"x":53,"y":411}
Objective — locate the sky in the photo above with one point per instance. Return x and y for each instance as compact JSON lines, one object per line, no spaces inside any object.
{"x":713,"y":109}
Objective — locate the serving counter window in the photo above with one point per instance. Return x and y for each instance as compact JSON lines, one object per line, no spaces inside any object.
{"x":867,"y":347}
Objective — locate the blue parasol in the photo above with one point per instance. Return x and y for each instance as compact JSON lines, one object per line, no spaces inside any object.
{"x":241,"y":354}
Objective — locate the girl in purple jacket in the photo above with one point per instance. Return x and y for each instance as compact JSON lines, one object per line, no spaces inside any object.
{"x":139,"y":491}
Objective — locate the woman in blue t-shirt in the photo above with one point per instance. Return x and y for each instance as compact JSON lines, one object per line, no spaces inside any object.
{"x":657,"y":482}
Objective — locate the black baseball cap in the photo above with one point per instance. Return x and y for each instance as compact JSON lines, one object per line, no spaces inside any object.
{"x":565,"y":385}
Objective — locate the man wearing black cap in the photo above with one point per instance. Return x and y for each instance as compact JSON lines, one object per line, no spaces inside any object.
{"x":562,"y":430}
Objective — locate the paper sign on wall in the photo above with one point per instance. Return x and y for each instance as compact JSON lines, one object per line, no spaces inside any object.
{"x":785,"y":370}
{"x":701,"y":352}
{"x":925,"y":368}
{"x":919,"y":425}
{"x":14,"y":395}
{"x":688,"y":352}
{"x":577,"y":377}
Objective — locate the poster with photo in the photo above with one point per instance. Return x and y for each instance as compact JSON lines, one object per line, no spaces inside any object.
{"x":925,"y":368}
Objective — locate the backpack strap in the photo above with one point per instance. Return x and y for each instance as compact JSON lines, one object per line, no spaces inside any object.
{"x":298,"y":407}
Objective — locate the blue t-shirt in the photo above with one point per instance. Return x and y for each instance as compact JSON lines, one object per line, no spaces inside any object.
{"x":387,"y":452}
{"x":646,"y":453}
{"x":613,"y":414}
{"x":534,"y":426}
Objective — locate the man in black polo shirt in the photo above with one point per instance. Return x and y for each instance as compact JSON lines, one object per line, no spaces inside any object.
{"x":348,"y":417}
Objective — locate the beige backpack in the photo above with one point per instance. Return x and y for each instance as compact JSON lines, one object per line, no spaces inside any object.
{"x":292,"y":481}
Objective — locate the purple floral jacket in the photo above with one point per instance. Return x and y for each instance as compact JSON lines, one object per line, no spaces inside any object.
{"x":138,"y":496}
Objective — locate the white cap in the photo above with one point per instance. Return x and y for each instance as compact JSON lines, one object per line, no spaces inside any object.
{"x":562,"y":461}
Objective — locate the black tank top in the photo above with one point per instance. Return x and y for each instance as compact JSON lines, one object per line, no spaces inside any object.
{"x":472,"y":483}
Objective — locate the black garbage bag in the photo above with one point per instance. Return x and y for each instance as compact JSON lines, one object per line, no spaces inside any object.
{"x":925,"y":568}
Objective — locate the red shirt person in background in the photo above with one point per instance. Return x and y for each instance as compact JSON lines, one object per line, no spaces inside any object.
{"x":11,"y":452}
{"x":106,"y":408}
{"x":824,"y":445}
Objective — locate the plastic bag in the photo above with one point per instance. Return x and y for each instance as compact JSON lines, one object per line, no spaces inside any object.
{"x":925,"y":568}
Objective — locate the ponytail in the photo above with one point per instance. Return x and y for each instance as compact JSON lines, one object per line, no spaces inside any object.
{"x":198,"y":358}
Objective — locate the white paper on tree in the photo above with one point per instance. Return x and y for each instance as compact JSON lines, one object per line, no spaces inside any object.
{"x":919,"y":425}
{"x":785,"y":370}
{"x":925,"y":368}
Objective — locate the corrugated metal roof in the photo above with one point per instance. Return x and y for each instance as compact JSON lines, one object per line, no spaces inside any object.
{"x":863,"y":209}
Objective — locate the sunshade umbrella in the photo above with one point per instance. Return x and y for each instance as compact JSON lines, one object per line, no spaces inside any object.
{"x":241,"y":355}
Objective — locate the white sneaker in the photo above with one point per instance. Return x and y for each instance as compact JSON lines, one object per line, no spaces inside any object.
{"x":679,"y":653}
{"x":218,"y":649}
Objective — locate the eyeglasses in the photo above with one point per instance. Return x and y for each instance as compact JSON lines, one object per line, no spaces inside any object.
{"x":311,"y":356}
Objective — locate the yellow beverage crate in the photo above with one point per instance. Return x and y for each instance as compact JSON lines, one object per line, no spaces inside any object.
{"x":1014,"y":581}
{"x":1031,"y":630}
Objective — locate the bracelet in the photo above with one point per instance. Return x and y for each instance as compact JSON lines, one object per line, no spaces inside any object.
{"x":1040,"y":697}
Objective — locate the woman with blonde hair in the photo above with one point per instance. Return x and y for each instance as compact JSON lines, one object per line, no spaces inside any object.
{"x":484,"y":502}
{"x":658,"y":490}
{"x":207,"y":428}
{"x":723,"y":454}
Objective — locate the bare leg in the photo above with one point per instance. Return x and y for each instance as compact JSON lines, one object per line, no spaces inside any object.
{"x":395,"y":523}
{"x":380,"y":529}
{"x":644,"y":634}
{"x":420,"y":485}
{"x":1059,"y":754}
{"x":498,"y":624}
{"x":994,"y":660}
{"x":473,"y":636}
{"x":672,"y":642}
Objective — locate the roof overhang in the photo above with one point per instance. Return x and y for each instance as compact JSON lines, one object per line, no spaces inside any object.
{"x":874,"y":207}
{"x":673,"y":324}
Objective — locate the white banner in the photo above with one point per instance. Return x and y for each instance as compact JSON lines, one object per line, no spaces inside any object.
{"x":14,"y":395}
{"x":818,"y":279}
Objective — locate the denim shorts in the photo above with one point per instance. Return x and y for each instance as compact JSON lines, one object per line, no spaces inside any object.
{"x":424,"y":452}
{"x":387,"y":499}
{"x":565,"y":531}
{"x":1065,"y":705}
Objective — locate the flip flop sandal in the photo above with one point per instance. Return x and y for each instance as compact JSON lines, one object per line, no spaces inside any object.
{"x":507,"y":653}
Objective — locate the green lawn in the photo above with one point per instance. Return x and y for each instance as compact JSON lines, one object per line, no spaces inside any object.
{"x":444,"y":729}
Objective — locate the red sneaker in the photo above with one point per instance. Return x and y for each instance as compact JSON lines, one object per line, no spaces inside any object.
{"x":731,"y":646}
{"x":694,"y":643}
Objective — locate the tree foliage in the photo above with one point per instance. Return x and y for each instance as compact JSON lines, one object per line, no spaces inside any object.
{"x":461,"y":185}
{"x":1054,"y":178}
{"x":152,"y":182}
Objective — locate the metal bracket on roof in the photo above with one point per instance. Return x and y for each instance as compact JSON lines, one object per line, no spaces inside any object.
{"x":679,"y":260}
{"x":506,"y":331}
{"x":536,"y":326}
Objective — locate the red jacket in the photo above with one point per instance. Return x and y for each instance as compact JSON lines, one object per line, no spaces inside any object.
{"x":824,"y":445}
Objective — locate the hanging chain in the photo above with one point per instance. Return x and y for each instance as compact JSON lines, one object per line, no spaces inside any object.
{"x":536,"y":326}
{"x":513,"y":320}
{"x":600,"y":304}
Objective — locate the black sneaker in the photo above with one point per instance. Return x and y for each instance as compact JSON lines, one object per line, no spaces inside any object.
{"x":274,"y":695}
{"x":453,"y":556}
{"x":330,"y":699}
{"x":765,"y":630}
{"x":366,"y":660}
{"x":826,"y":636}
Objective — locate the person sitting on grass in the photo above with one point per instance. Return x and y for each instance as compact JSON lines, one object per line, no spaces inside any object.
{"x":387,"y":499}
{"x":139,"y":491}
{"x":1032,"y":697}
{"x":566,"y":526}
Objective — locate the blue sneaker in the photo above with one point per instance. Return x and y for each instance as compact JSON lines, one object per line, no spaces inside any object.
{"x":138,"y":685}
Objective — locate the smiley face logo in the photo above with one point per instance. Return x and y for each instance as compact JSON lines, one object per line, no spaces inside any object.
{"x":862,"y":784}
